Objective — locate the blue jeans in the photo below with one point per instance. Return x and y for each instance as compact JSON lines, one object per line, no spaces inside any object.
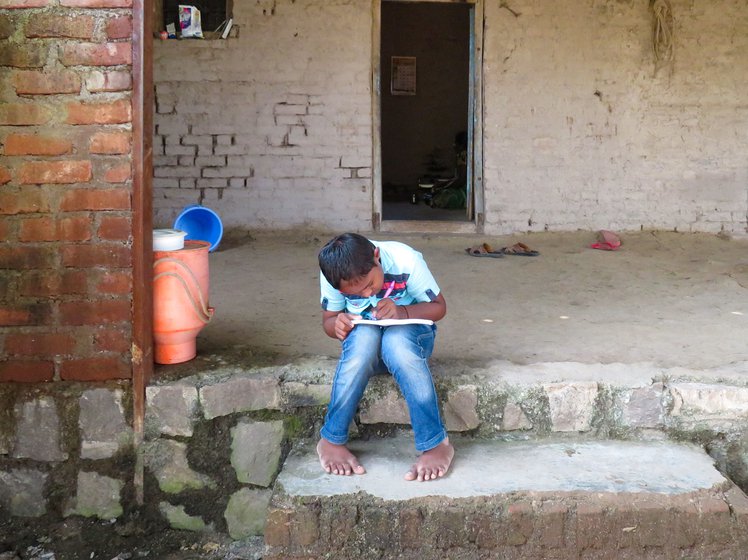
{"x":403,"y":350}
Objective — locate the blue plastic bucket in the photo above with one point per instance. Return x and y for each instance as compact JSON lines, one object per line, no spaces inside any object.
{"x":201,"y":224}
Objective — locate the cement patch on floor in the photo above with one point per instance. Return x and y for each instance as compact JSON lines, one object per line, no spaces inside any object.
{"x":484,"y":468}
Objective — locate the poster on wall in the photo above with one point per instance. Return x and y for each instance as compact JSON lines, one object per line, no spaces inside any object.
{"x":403,"y":78}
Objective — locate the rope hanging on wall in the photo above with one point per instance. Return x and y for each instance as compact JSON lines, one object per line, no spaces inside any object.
{"x":662,"y":33}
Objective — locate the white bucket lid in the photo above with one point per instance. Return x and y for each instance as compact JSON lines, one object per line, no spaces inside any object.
{"x":168,"y":239}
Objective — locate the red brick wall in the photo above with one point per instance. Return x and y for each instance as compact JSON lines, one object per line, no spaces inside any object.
{"x":65,"y":190}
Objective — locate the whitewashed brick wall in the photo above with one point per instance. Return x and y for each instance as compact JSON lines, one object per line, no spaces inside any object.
{"x":273,"y":129}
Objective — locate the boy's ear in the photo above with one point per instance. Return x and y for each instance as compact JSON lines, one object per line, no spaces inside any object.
{"x":376,"y":255}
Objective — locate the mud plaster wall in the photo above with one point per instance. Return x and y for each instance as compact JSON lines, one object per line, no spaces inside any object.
{"x":273,"y":128}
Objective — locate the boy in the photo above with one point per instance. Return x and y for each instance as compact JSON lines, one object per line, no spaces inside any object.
{"x":381,"y":280}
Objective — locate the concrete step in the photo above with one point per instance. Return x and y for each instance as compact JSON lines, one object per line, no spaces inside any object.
{"x":551,"y":498}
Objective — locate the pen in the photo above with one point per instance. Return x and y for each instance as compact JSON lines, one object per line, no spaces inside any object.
{"x":389,"y":290}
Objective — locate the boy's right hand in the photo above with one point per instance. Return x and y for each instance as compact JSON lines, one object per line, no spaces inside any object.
{"x":344,"y":324}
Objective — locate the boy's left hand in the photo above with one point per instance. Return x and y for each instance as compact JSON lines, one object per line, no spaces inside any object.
{"x":387,"y":309}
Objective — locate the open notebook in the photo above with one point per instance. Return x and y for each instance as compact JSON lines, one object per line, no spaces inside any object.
{"x":392,"y":322}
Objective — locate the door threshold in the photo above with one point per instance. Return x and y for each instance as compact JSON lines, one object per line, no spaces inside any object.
{"x":426,"y":226}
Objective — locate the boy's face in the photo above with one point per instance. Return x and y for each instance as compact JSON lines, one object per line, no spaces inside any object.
{"x":368,"y":285}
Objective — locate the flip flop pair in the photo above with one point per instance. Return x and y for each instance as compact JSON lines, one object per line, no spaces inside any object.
{"x":485,"y":250}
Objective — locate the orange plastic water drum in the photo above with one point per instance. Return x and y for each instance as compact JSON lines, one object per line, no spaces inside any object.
{"x":180,"y":301}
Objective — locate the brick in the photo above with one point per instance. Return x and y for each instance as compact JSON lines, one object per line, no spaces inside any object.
{"x":518,"y":523}
{"x":7,"y":26}
{"x":112,"y":340}
{"x":278,"y":527}
{"x":118,"y":173}
{"x":36,"y":145}
{"x":23,"y":114}
{"x":96,"y":3}
{"x":23,"y":56}
{"x":411,"y":521}
{"x":94,"y":54}
{"x":115,"y":283}
{"x":551,"y":522}
{"x":110,"y":143}
{"x":102,"y":312}
{"x":25,"y":200}
{"x":119,"y":27}
{"x":18,"y":4}
{"x":29,"y":315}
{"x":304,"y":527}
{"x":591,"y":526}
{"x":100,"y":255}
{"x":26,"y":371}
{"x":715,"y":519}
{"x":27,"y":258}
{"x":39,"y":344}
{"x":95,"y":199}
{"x":55,"y":172}
{"x":108,"y":81}
{"x":94,"y":369}
{"x":486,"y":529}
{"x":5,"y":177}
{"x":117,"y":112}
{"x":57,"y":283}
{"x":115,"y":228}
{"x":376,"y":525}
{"x":51,"y":229}
{"x":29,"y":82}
{"x":448,"y":527}
{"x":53,"y":25}
{"x":337,"y":525}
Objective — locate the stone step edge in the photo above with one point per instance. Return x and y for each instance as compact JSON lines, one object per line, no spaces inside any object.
{"x":484,"y":403}
{"x":337,"y":527}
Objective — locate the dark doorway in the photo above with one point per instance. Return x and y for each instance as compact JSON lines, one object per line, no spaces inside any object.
{"x":425,"y":110}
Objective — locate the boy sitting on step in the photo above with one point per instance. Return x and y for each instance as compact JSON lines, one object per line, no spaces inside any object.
{"x":381,"y":280}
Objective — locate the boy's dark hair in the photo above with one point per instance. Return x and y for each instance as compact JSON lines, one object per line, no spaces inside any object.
{"x":347,"y":256}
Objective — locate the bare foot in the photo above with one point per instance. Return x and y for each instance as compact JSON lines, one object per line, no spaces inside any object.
{"x":433,"y":463}
{"x":336,"y":459}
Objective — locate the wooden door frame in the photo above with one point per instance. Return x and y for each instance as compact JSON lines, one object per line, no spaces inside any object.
{"x":142,"y":220}
{"x":475,"y":113}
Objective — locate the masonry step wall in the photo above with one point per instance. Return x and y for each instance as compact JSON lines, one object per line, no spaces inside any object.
{"x":511,"y":499}
{"x":218,"y":432}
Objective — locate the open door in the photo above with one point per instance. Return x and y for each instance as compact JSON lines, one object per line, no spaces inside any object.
{"x":426,"y":111}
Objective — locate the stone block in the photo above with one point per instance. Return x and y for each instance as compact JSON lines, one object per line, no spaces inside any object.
{"x":386,"y":408}
{"x":246,"y":511}
{"x":256,"y":451}
{"x":38,"y":431}
{"x":703,"y":401}
{"x":296,"y":394}
{"x":240,"y":393}
{"x":571,"y":405}
{"x":21,"y":492}
{"x":178,"y":518}
{"x":170,"y":409}
{"x":97,"y":496}
{"x":460,"y":409}
{"x":514,"y":418}
{"x":167,"y":461}
{"x":642,"y":407}
{"x":104,"y":430}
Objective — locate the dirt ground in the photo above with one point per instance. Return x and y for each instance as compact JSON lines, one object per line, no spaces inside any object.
{"x":664,"y":299}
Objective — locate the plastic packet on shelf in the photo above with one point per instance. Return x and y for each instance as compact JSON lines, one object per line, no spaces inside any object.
{"x":189,"y":22}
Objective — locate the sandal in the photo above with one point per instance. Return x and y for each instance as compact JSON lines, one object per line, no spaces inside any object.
{"x":483,"y":250}
{"x":519,"y":249}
